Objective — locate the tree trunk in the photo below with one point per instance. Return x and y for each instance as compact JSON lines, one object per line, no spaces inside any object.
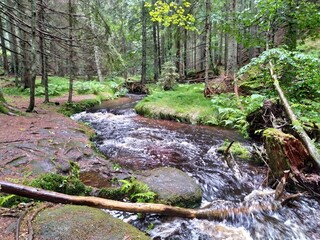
{"x":144,"y":43}
{"x":159,"y":42}
{"x":155,"y":50}
{"x":232,"y":45}
{"x":185,"y":53}
{"x":39,"y":194}
{"x":33,"y":68}
{"x":14,"y":47}
{"x":195,"y":51}
{"x":43,"y":56}
{"x":96,"y":56}
{"x":207,"y":47}
{"x":71,"y":51}
{"x":3,"y":48}
{"x":313,"y":151}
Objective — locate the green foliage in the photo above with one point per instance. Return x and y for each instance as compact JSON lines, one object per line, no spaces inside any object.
{"x":168,"y":76}
{"x":137,"y":191}
{"x":230,"y":115}
{"x":172,"y":13}
{"x":70,"y":184}
{"x":3,"y":109}
{"x":237,"y":150}
{"x":302,"y":89}
{"x":268,"y":14}
{"x":116,"y":86}
{"x":2,"y":72}
{"x":86,"y":87}
{"x":310,"y":47}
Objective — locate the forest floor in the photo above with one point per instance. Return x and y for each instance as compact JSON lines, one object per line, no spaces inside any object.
{"x":39,"y":142}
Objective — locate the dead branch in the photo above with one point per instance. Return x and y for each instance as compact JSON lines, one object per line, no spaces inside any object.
{"x":219,"y":214}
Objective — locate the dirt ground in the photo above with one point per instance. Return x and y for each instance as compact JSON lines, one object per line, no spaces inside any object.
{"x":39,"y":142}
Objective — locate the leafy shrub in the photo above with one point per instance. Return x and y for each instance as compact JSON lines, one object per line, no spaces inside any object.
{"x":89,"y":87}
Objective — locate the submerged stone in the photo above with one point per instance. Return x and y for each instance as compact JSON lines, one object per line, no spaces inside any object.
{"x":79,"y":222}
{"x":173,"y":186}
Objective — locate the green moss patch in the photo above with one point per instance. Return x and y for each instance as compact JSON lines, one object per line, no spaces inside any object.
{"x":237,"y":150}
{"x":69,"y":109}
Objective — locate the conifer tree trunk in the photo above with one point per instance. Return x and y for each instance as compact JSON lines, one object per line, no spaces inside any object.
{"x":3,"y":48}
{"x":144,"y":43}
{"x":207,"y":42}
{"x":14,"y":47}
{"x":43,"y":55}
{"x":155,"y":50}
{"x":71,"y":51}
{"x":232,"y":45}
{"x":33,"y":68}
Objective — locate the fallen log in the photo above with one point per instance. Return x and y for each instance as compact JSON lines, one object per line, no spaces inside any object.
{"x":296,"y":123}
{"x":50,"y":196}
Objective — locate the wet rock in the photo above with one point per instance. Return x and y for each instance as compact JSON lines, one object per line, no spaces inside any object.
{"x":79,"y":222}
{"x":173,"y":186}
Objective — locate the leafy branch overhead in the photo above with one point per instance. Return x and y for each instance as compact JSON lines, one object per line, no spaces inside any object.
{"x":172,"y":13}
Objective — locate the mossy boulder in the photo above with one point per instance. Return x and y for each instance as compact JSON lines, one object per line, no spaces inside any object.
{"x":173,"y":187}
{"x":79,"y":222}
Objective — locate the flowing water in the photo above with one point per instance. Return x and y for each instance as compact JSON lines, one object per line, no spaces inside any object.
{"x":140,"y":143}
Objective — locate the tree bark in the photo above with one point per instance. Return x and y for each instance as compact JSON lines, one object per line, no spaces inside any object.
{"x":96,"y":56}
{"x":3,"y":48}
{"x":43,"y":56}
{"x":207,"y":42}
{"x":144,"y":43}
{"x":232,"y":45}
{"x":33,"y":68}
{"x":39,"y":194}
{"x":14,"y":47}
{"x":313,"y":151}
{"x":155,"y":50}
{"x":71,"y":51}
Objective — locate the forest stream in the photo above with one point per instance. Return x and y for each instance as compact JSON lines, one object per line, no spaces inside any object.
{"x":140,"y":143}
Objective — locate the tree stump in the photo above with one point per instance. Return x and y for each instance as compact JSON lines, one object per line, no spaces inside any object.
{"x":285,"y":152}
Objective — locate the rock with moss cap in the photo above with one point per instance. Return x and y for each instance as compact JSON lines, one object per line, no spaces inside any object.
{"x":79,"y":222}
{"x":172,"y":186}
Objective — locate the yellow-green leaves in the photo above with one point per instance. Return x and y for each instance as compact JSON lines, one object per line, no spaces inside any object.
{"x":172,"y":13}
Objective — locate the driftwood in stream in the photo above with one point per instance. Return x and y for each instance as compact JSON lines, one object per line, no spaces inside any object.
{"x":219,"y":214}
{"x":314,"y":153}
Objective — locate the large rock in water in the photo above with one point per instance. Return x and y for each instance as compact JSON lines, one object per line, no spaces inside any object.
{"x":81,"y":223}
{"x":173,"y":187}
